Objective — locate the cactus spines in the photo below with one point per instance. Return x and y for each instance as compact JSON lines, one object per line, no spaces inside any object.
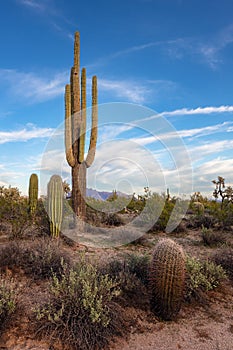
{"x":55,"y":196}
{"x":167,"y":279}
{"x":75,"y":130}
{"x":33,"y":193}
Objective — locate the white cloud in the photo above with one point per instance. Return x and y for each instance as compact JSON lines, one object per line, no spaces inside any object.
{"x":33,"y":87}
{"x":124,"y":89}
{"x":198,"y":110}
{"x":37,"y":5}
{"x":201,"y":151}
{"x":191,"y":111}
{"x":25,"y":134}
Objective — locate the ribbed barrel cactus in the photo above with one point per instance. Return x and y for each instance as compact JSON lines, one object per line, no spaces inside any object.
{"x":33,"y":193}
{"x":55,"y":195}
{"x":75,"y":130}
{"x":167,"y":279}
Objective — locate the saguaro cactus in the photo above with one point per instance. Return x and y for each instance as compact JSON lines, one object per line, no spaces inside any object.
{"x":33,"y":193}
{"x":55,"y":196}
{"x":75,"y":130}
{"x":167,"y":279}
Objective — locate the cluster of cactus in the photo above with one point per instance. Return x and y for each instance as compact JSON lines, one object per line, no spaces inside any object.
{"x":75,"y":130}
{"x":55,"y":196}
{"x":167,"y":279}
{"x":33,"y":193}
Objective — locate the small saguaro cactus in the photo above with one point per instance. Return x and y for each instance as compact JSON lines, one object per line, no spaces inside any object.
{"x":167,"y":279}
{"x":75,"y":130}
{"x":55,"y":196}
{"x":33,"y":193}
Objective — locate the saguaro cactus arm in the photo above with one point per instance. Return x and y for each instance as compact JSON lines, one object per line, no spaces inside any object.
{"x":94,"y":127}
{"x":68,"y":128}
{"x":83,"y":117}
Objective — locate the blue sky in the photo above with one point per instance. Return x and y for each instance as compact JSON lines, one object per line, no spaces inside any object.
{"x":174,"y":57}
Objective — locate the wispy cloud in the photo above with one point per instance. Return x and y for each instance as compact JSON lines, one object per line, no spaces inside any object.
{"x":32,"y":87}
{"x":201,"y":151}
{"x":186,"y":133}
{"x":125,"y":89}
{"x":50,"y":11}
{"x":25,"y":134}
{"x":34,"y":4}
{"x":198,"y":110}
{"x":191,"y":111}
{"x":205,"y":50}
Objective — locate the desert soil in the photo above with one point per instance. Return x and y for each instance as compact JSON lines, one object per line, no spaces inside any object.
{"x":199,"y":326}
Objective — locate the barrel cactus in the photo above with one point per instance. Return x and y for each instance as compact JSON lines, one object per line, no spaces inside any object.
{"x":167,"y":279}
{"x":33,"y":193}
{"x":55,"y":204}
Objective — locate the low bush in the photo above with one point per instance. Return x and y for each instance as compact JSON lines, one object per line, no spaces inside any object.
{"x":198,"y":221}
{"x":39,"y":259}
{"x":212,"y":238}
{"x":202,"y":277}
{"x":225,"y":259}
{"x":131,"y":273}
{"x":81,"y":311}
{"x":7,"y":301}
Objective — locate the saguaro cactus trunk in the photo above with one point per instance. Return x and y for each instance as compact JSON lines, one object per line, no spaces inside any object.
{"x":75,"y":130}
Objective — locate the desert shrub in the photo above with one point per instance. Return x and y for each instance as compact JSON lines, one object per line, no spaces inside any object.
{"x":81,"y":311}
{"x":131,"y":273}
{"x":198,"y":221}
{"x":112,"y":219}
{"x":7,"y":301}
{"x":101,"y":217}
{"x":14,"y":211}
{"x":139,"y":266}
{"x":212,"y":238}
{"x":202,"y":277}
{"x":133,"y":264}
{"x":161,"y":223}
{"x":39,"y":259}
{"x":225,"y":216}
{"x":43,"y":259}
{"x":41,"y":219}
{"x":10,"y":255}
{"x":225,"y":259}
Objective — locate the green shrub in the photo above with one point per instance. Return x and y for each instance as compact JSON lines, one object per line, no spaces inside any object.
{"x":7,"y":301}
{"x":212,"y":238}
{"x":81,"y":311}
{"x":39,"y":259}
{"x":202,"y":277}
{"x":200,"y":220}
{"x":131,"y":273}
{"x":139,"y":266}
{"x":225,"y":259}
{"x":43,"y":258}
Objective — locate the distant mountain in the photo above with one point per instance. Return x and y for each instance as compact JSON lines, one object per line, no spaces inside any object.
{"x":101,"y":195}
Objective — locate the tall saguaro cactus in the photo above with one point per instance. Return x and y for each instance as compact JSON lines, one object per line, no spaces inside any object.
{"x":75,"y":130}
{"x":33,"y":193}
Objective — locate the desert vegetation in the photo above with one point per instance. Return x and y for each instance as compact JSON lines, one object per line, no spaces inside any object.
{"x":57,"y":293}
{"x":84,"y":293}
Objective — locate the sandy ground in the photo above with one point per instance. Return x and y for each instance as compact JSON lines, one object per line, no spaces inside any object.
{"x":207,"y":326}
